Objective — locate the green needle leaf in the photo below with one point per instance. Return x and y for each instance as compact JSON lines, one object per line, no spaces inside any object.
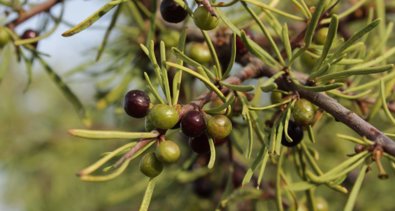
{"x":355,"y":189}
{"x":240,"y":88}
{"x":148,"y":195}
{"x":66,"y":91}
{"x":212,"y":153}
{"x":356,"y":37}
{"x":105,"y":159}
{"x":91,"y":19}
{"x":200,"y":77}
{"x":313,"y":23}
{"x":99,"y":134}
{"x":361,"y":71}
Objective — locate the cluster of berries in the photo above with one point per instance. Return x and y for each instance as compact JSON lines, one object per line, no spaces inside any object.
{"x":195,"y":124}
{"x":172,"y":12}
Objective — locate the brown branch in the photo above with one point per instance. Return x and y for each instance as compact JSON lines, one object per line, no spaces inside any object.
{"x":256,"y":69}
{"x":338,"y":111}
{"x":24,"y":16}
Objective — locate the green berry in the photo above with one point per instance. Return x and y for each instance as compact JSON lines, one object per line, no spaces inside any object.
{"x":303,"y":112}
{"x":4,"y":37}
{"x":163,"y":116}
{"x":308,"y":60}
{"x":148,"y":125}
{"x":219,"y":126}
{"x":150,"y":166}
{"x":321,"y":204}
{"x":320,"y":36}
{"x":276,"y":97}
{"x":199,"y":52}
{"x":170,"y":37}
{"x":204,"y":19}
{"x":168,"y":152}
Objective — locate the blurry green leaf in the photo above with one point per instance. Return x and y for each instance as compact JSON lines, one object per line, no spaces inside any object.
{"x":91,"y":19}
{"x":148,"y":195}
{"x":240,"y":88}
{"x":211,"y":162}
{"x":355,"y":189}
{"x":6,"y":59}
{"x":71,"y":97}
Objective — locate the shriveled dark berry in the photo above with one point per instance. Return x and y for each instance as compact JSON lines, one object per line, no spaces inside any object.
{"x":219,"y":142}
{"x":193,"y":123}
{"x":172,"y":12}
{"x":136,"y":103}
{"x":200,"y":144}
{"x":295,"y":132}
{"x":30,"y":33}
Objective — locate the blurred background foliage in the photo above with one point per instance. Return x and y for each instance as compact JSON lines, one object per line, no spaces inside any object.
{"x":39,"y":159}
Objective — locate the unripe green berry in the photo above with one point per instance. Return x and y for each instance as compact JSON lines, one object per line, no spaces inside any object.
{"x":308,"y":60}
{"x":4,"y":37}
{"x":199,"y":52}
{"x":320,"y":36}
{"x":150,"y":166}
{"x":303,"y":112}
{"x":276,"y":97}
{"x":168,"y":152}
{"x":321,"y":204}
{"x":170,"y":37}
{"x":219,"y":126}
{"x":163,"y":116}
{"x":148,"y":125}
{"x":204,"y":19}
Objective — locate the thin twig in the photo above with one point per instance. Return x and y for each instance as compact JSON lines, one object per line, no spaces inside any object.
{"x":44,"y":7}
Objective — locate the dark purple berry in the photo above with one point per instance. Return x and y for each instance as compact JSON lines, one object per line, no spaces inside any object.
{"x":193,"y":124}
{"x":30,"y":33}
{"x":203,"y":187}
{"x":295,"y":132}
{"x":172,"y":12}
{"x":136,"y":103}
{"x":200,"y":144}
{"x":219,"y":142}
